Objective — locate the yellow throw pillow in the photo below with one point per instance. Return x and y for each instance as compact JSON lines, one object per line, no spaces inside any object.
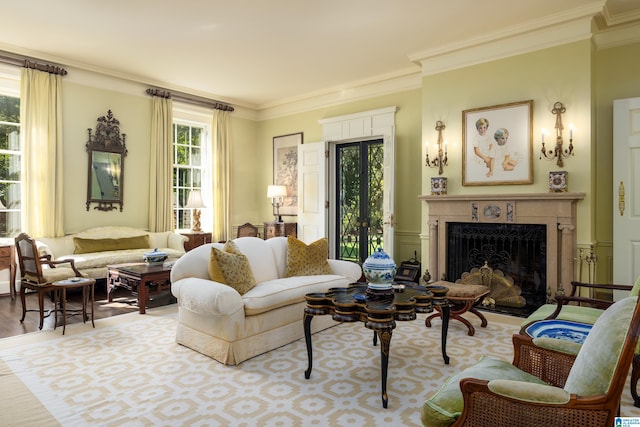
{"x":215,"y":273}
{"x":307,"y":260}
{"x":235,"y":267}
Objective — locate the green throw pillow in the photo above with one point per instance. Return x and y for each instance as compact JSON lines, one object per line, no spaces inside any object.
{"x":235,"y":267}
{"x":83,"y":246}
{"x":307,"y":260}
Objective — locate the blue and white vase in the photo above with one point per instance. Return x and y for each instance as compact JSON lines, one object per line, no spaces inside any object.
{"x":379,"y":270}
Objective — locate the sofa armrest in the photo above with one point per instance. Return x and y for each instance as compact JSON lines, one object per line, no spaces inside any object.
{"x":349,"y":269}
{"x":206,"y":297}
{"x":176,"y":241}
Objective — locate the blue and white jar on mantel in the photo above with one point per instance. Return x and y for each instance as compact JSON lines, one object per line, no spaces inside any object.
{"x":379,"y":270}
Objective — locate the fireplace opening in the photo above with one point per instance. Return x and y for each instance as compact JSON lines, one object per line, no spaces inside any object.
{"x":518,"y":250}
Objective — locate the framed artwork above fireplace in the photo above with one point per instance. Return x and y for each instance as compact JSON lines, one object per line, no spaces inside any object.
{"x":497,"y":144}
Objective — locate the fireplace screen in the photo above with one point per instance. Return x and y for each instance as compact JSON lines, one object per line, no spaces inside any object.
{"x":519,"y":250}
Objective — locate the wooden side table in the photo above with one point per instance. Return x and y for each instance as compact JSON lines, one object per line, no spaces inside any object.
{"x":195,"y":240}
{"x":88,"y":295}
{"x":8,"y":261}
{"x":275,"y":229}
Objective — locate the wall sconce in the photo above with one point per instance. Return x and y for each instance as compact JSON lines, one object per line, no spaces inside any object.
{"x":195,"y":202}
{"x":441,"y":159}
{"x":277,"y":193}
{"x":558,"y":152}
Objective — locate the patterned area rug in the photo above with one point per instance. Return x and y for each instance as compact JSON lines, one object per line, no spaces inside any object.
{"x":130,"y":372}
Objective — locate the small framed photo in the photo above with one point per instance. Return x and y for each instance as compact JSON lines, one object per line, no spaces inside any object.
{"x":497,"y":144}
{"x":285,"y":169}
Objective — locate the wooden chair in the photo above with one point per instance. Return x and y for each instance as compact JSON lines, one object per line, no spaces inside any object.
{"x":248,"y":230}
{"x":39,"y":272}
{"x":545,"y":385}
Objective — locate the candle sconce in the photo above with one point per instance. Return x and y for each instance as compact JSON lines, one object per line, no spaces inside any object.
{"x":441,"y":158}
{"x":558,"y":152}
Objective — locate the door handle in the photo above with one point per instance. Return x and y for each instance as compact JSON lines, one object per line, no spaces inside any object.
{"x":621,"y":198}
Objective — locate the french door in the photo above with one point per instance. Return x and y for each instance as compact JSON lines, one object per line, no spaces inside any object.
{"x":359,"y":199}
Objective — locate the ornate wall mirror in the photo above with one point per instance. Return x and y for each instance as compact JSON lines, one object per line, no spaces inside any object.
{"x":107,"y":150}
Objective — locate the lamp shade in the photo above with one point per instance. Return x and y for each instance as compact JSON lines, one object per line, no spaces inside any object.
{"x":195,"y":200}
{"x":274,"y":191}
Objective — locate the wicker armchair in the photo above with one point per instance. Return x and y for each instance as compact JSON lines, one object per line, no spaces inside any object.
{"x":576,"y":308}
{"x":544,"y":386}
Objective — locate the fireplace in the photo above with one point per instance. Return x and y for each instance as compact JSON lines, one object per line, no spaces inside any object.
{"x":530,"y":237}
{"x":518,"y":250}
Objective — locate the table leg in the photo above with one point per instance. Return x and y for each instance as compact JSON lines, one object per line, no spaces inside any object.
{"x":307,"y":339}
{"x":385,"y":344}
{"x":64,"y":309}
{"x":93,"y":299}
{"x":446,"y":311}
{"x":142,"y":296}
{"x":110,"y":285}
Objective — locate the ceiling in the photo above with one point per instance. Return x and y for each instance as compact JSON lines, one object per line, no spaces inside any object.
{"x":263,"y":53}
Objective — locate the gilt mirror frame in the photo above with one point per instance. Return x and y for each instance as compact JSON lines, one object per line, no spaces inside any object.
{"x":107,"y":150}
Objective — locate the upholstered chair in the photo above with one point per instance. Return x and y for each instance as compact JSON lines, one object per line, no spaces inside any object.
{"x":546,"y":384}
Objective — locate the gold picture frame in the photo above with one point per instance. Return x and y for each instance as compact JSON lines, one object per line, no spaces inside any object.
{"x":503,"y":153}
{"x":285,"y":169}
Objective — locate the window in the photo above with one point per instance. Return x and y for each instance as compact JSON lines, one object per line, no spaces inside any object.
{"x":10,"y":160}
{"x":190,"y":156}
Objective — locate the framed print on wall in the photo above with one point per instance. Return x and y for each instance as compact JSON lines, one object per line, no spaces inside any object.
{"x":497,"y":144}
{"x":285,"y":169}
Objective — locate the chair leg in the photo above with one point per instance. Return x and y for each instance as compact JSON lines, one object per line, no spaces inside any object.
{"x":24,"y":303}
{"x":635,"y":375}
{"x":41,"y":307}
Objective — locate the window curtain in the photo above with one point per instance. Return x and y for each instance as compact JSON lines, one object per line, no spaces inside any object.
{"x":220,"y":177}
{"x":41,"y":130}
{"x":161,"y":166}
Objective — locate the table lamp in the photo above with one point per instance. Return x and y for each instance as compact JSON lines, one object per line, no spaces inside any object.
{"x":195,"y":202}
{"x":277,"y":193}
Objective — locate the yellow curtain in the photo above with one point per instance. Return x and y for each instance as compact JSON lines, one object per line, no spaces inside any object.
{"x":41,"y":130}
{"x":161,"y":166}
{"x":220,"y":176}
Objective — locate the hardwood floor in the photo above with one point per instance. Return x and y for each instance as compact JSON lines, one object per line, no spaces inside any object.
{"x":11,"y":310}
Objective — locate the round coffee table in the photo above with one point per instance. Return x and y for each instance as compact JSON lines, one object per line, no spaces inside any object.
{"x":88,"y":295}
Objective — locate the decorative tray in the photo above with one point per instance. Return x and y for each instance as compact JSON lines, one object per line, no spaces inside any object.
{"x":559,"y":329}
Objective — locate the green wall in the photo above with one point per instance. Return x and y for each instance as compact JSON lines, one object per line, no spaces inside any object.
{"x":584,"y":79}
{"x":616,"y":76}
{"x":407,"y":157}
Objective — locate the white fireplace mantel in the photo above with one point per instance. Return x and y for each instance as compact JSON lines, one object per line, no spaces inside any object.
{"x":555,"y":210}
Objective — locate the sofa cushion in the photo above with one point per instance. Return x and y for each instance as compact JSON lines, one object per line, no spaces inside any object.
{"x":307,"y":260}
{"x":102,"y":259}
{"x":277,"y":293}
{"x":235,"y":267}
{"x":215,"y":273}
{"x":83,"y":245}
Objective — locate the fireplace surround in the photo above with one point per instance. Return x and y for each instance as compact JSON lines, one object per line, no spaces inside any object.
{"x":556,"y":212}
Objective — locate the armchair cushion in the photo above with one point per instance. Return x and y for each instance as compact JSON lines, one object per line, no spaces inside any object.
{"x":446,"y":405}
{"x":558,"y":344}
{"x":536,"y":393}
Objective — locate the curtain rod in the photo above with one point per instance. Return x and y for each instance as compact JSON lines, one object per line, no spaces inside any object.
{"x":191,"y":99}
{"x":22,"y":61}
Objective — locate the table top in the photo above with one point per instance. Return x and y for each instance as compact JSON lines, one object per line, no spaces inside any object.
{"x":140,"y":268}
{"x":352,"y":303}
{"x":75,"y":281}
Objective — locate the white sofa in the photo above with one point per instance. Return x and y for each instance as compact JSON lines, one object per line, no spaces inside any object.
{"x":100,"y":241}
{"x":215,"y":320}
